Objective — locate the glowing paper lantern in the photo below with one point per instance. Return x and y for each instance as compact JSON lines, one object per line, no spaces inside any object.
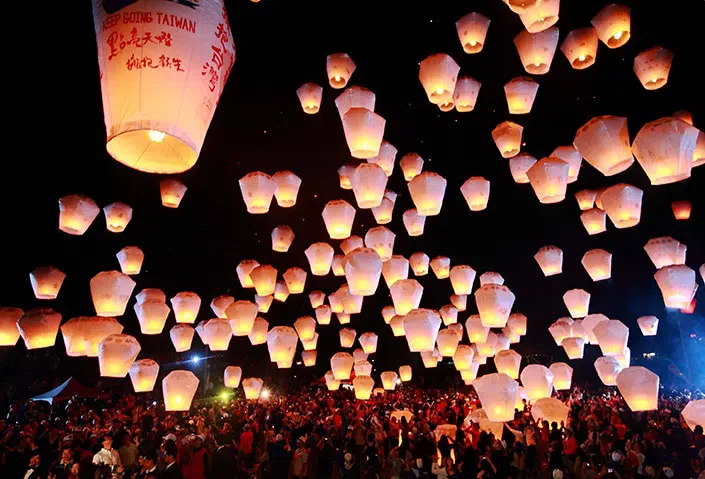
{"x":438,"y":74}
{"x":648,"y":325}
{"x":664,"y":149}
{"x":585,"y":199}
{"x":76,"y":213}
{"x":421,"y":329}
{"x":430,"y":358}
{"x":381,"y":239}
{"x":624,"y":359}
{"x":143,"y":375}
{"x":9,"y":333}
{"x":179,"y":387}
{"x":38,"y":327}
{"x":281,"y":292}
{"x":218,"y":334}
{"x":419,"y":263}
{"x":594,"y":220}
{"x":368,"y":182}
{"x":536,"y":50}
{"x":258,"y":333}
{"x":406,"y":295}
{"x":383,"y":212}
{"x":574,"y":347}
{"x":257,"y":190}
{"x":338,"y":216}
{"x":397,"y":325}
{"x":110,"y":291}
{"x":476,"y":191}
{"x":46,"y":282}
{"x":362,"y":368}
{"x":309,"y":358}
{"x":360,"y":355}
{"x":580,"y":47}
{"x":652,"y":67}
{"x":447,"y":342}
{"x":519,"y":165}
{"x":681,"y":209}
{"x":305,"y":327}
{"x":612,"y":336}
{"x":295,"y":279}
{"x":427,"y":191}
{"x":550,"y":260}
{"x":341,"y":364}
{"x":405,"y":373}
{"x":181,"y":337}
{"x":368,"y":341}
{"x":331,"y":383}
{"x":152,"y":316}
{"x":462,"y":278}
{"x":363,"y":387}
{"x":363,"y":268}
{"x":497,"y":393}
{"x":571,"y":156}
{"x":242,"y":315}
{"x":363,"y":130}
{"x":472,"y":31}
{"x":310,"y":345}
{"x":282,"y":237}
{"x":551,"y":410}
{"x":310,"y":96}
{"x":355,"y":97}
{"x":351,"y":244}
{"x":560,"y":330}
{"x":117,"y":216}
{"x":344,"y":173}
{"x":598,"y":264}
{"x":339,"y":67}
{"x":562,"y":376}
{"x":549,"y":179}
{"x":130,"y":259}
{"x":201,"y":330}
{"x":264,"y":279}
{"x":243,"y":273}
{"x":232,"y":376}
{"x":694,"y":413}
{"x":411,"y":165}
{"x":677,"y":285}
{"x":460,"y":301}
{"x":541,"y":16}
{"x":395,"y":269}
{"x":507,"y":137}
{"x":665,"y":251}
{"x":520,"y":93}
{"x":385,"y":160}
{"x":589,"y":323}
{"x":639,"y":388}
{"x":449,"y":314}
{"x":252,"y":387}
{"x":347,"y":337}
{"x":323,"y":314}
{"x":508,"y":362}
{"x":517,"y":322}
{"x":604,"y":143}
{"x":281,"y":343}
{"x":413,"y":222}
{"x":220,"y":303}
{"x":577,"y":301}
{"x":494,"y":303}
{"x":186,"y":306}
{"x":613,"y":25}
{"x":622,"y":203}
{"x":263,"y":302}
{"x":389,"y":380}
{"x":537,"y":381}
{"x":116,"y":353}
{"x":463,"y":357}
{"x":172,"y":191}
{"x":465,"y":96}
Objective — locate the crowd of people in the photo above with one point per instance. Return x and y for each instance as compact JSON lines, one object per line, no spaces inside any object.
{"x":313,"y":433}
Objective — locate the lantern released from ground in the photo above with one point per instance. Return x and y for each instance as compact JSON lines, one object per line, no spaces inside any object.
{"x":498,"y":394}
{"x":310,"y":96}
{"x":507,"y":137}
{"x":252,"y":387}
{"x":577,"y":301}
{"x":172,"y":192}
{"x":152,"y":316}
{"x":421,"y":329}
{"x":549,"y":179}
{"x":652,"y":67}
{"x":427,"y":191}
{"x":363,"y":387}
{"x":664,"y":148}
{"x":520,"y":93}
{"x":562,"y":376}
{"x":476,"y":191}
{"x":257,"y":190}
{"x":536,"y":50}
{"x":613,"y":25}
{"x":472,"y":31}
{"x":580,"y":47}
{"x":639,"y":387}
{"x":242,"y":315}
{"x":76,"y":213}
{"x":604,"y":143}
{"x":46,"y":282}
{"x":677,"y":285}
{"x":622,"y":205}
{"x":341,"y":364}
{"x":117,"y":216}
{"x":537,"y":381}
{"x":339,"y":67}
{"x":116,"y":353}
{"x":648,"y":325}
{"x":338,"y":216}
{"x":598,"y":264}
{"x":232,"y":376}
{"x":179,"y":387}
{"x":143,"y":375}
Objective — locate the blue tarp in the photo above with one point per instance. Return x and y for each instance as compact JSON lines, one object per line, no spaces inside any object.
{"x":66,"y":391}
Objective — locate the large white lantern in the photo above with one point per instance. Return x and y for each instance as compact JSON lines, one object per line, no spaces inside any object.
{"x":577,"y":301}
{"x":381,"y":239}
{"x":413,"y":222}
{"x":186,"y":306}
{"x":46,"y":282}
{"x":258,"y":333}
{"x":520,"y":93}
{"x":639,"y":388}
{"x":363,"y":268}
{"x":694,"y":413}
{"x":110,"y":291}
{"x":152,"y":316}
{"x":648,"y":325}
{"x":613,"y":25}
{"x":39,"y":327}
{"x":281,"y":344}
{"x":179,"y":387}
{"x":341,"y":364}
{"x":220,"y":303}
{"x":537,"y":381}
{"x":604,"y":143}
{"x":421,"y":329}
{"x":677,"y":285}
{"x":551,"y":410}
{"x":117,"y":216}
{"x":472,"y":31}
{"x":406,"y":295}
{"x":508,"y":362}
{"x":232,"y":376}
{"x":598,"y":264}
{"x":507,"y":137}
{"x":562,"y":376}
{"x":368,"y":183}
{"x":218,"y":333}
{"x":549,"y":179}
{"x":116,"y":353}
{"x":494,"y":303}
{"x":143,"y":375}
{"x":427,"y":191}
{"x":363,"y":130}
{"x":252,"y":387}
{"x":438,"y":74}
{"x":612,"y":336}
{"x":536,"y":50}
{"x":664,"y":148}
{"x":241,"y":315}
{"x":181,"y":337}
{"x":498,"y":395}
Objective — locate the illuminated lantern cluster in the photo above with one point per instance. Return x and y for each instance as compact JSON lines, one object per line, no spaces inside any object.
{"x":639,"y":387}
{"x":117,"y":216}
{"x":310,"y":96}
{"x":257,"y":190}
{"x":622,"y":204}
{"x":652,"y":67}
{"x":465,"y":96}
{"x":339,"y":67}
{"x":519,"y":165}
{"x":549,"y":179}
{"x":664,"y":149}
{"x":110,"y":291}
{"x":130,"y":259}
{"x":427,"y":191}
{"x":498,"y":394}
{"x":677,"y":285}
{"x":613,"y":25}
{"x":507,"y":137}
{"x":46,"y":282}
{"x":438,"y":74}
{"x":143,"y":375}
{"x":520,"y":93}
{"x":172,"y":191}
{"x":598,"y":264}
{"x":181,"y":337}
{"x":536,"y":50}
{"x":472,"y":31}
{"x":550,"y":260}
{"x":476,"y":191}
{"x":604,"y":143}
{"x":580,"y":47}
{"x":179,"y":387}
{"x":76,"y":213}
{"x":116,"y":353}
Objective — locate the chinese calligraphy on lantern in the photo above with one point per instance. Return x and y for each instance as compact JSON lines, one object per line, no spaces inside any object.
{"x":117,"y":41}
{"x":212,"y":69}
{"x":163,"y":61}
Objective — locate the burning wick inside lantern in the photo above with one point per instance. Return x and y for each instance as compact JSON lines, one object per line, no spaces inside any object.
{"x":618,"y":35}
{"x":581,"y":58}
{"x":156,"y":136}
{"x":473,"y":43}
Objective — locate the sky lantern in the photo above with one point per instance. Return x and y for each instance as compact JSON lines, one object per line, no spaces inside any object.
{"x":355,"y":97}
{"x":622,"y":204}
{"x":323,"y":314}
{"x":368,"y":182}
{"x":46,"y":282}
{"x":344,"y":173}
{"x":295,"y":279}
{"x":389,"y":380}
{"x":264,"y":279}
{"x":562,"y":376}
{"x":413,"y":222}
{"x":110,"y":291}
{"x":536,"y":50}
{"x":421,"y":329}
{"x":363,"y":130}
{"x":494,"y":303}
{"x":411,"y":165}
{"x":305,"y":327}
{"x":338,"y":216}
{"x":577,"y":301}
{"x":130,"y":259}
{"x":664,"y":149}
{"x":598,"y":264}
{"x":508,"y":362}
{"x":385,"y":160}
{"x":571,"y":156}
{"x":419,"y":263}
{"x":232,"y":376}
{"x":335,"y":300}
{"x":541,"y":16}
{"x":537,"y":381}
{"x":519,"y":165}
{"x":589,"y":324}
{"x":264,"y":302}
{"x":320,"y":257}
{"x":694,"y":413}
{"x":463,"y":357}
{"x":427,"y":191}
{"x":652,"y":67}
{"x":560,"y":330}
{"x":243,"y":273}
{"x":362,"y":368}
{"x":186,"y":306}
{"x":38,"y":327}
{"x":383,"y":212}
{"x":282,"y":237}
{"x":351,"y":243}
{"x":257,"y":190}
{"x":510,"y":334}
{"x":143,"y":375}
{"x":507,"y":137}
{"x":220,"y":303}
{"x":73,"y":334}
{"x":152,"y":316}
{"x":613,"y":25}
{"x":252,"y":388}
{"x":310,"y":344}
{"x":438,"y":74}
{"x":430,"y":358}
{"x":281,"y":291}
{"x":172,"y":192}
{"x":503,"y":342}
{"x":363,"y":387}
{"x":117,"y":216}
{"x":520,"y":93}
{"x":465,"y":95}
{"x":472,"y":31}
{"x":381,"y":239}
{"x":498,"y":393}
{"x":341,"y":364}
{"x":394,"y":269}
{"x":462,"y":278}
{"x":460,"y":301}
{"x":310,"y":96}
{"x":363,"y":268}
{"x":397,"y":325}
{"x":447,"y":342}
{"x":388,"y":312}
{"x":242,"y":315}
{"x":76,"y":213}
{"x":699,"y":151}
{"x":594,"y":220}
{"x":218,"y":333}
{"x":309,"y":358}
{"x":201,"y":331}
{"x":489,"y":347}
{"x":604,"y":143}
{"x":574,"y":347}
{"x":347,"y":337}
{"x":550,"y":260}
{"x":181,"y":337}
{"x":549,"y":179}
{"x":681,"y":209}
{"x":665,"y":251}
{"x":286,"y":189}
{"x":625,"y":358}
{"x":639,"y":387}
{"x":585,"y":199}
{"x":116,"y":353}
{"x":406,"y":295}
{"x":476,"y":191}
{"x":331,"y":383}
{"x":580,"y":47}
{"x":368,"y":341}
{"x":179,"y":387}
{"x":449,"y":314}
{"x":281,"y":343}
{"x":521,"y":6}
{"x":677,"y":285}
{"x":551,"y":410}
{"x":648,"y":325}
{"x":517,"y":322}
{"x":405,"y":373}
{"x":339,"y":67}
{"x":9,"y":334}
{"x":612,"y":336}
{"x":150,"y":294}
{"x":258,"y":333}
{"x":317,"y":298}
